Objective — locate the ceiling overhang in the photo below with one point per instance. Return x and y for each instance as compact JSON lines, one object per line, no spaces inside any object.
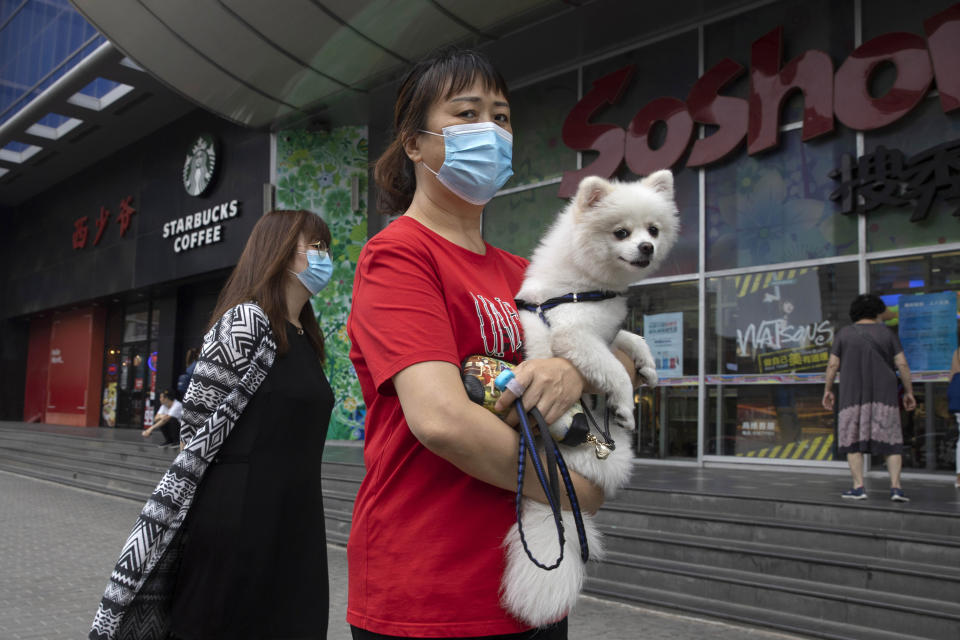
{"x":273,"y":64}
{"x":89,"y":127}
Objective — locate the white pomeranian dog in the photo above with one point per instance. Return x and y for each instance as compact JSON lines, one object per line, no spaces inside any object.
{"x":611,"y":234}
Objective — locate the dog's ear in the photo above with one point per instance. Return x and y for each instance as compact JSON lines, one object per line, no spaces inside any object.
{"x":591,"y":191}
{"x":661,"y":182}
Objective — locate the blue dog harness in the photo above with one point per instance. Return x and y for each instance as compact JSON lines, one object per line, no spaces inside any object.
{"x":546,"y":305}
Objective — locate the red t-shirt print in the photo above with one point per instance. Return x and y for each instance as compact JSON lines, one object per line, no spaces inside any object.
{"x":425,"y":554}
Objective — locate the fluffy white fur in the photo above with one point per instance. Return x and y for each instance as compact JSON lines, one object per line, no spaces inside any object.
{"x":610,"y":235}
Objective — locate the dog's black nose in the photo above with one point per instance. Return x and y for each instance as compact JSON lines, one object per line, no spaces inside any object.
{"x":646,"y":248}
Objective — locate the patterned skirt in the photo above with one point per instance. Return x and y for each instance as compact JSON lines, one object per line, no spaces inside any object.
{"x":871,"y":427}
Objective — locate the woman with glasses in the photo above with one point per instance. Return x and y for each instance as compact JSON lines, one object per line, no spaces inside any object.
{"x":231,"y":544}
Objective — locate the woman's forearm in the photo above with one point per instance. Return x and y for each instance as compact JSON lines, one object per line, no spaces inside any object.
{"x":905,"y":378}
{"x":488,"y":449}
{"x":832,"y":367}
{"x":468,"y":436}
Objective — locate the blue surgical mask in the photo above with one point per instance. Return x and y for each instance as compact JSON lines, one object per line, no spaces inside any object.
{"x":317,"y":274}
{"x":477,"y":162}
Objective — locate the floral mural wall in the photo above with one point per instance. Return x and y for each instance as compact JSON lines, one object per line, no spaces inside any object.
{"x":316,"y":172}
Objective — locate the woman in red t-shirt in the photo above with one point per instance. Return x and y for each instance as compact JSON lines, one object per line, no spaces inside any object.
{"x":425,"y":551}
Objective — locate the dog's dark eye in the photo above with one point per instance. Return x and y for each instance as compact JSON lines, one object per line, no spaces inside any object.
{"x":654,"y":232}
{"x":621,"y":234}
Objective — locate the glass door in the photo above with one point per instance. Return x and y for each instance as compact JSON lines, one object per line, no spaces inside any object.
{"x":130,"y":365}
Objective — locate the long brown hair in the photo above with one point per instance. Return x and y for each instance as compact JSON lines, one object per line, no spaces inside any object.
{"x":443,"y":74}
{"x":261,"y":273}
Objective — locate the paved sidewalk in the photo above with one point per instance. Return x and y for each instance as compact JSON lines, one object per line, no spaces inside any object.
{"x":58,"y":545}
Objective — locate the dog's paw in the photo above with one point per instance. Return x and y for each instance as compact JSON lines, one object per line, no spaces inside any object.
{"x":649,"y":376}
{"x":623,"y":417}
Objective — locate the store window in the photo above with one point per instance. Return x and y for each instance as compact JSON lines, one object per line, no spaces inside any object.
{"x":770,"y":421}
{"x":913,"y":141}
{"x":922,"y":293}
{"x":653,"y":79}
{"x":515,"y":222}
{"x":666,"y":315}
{"x":804,"y":29}
{"x":537,"y":113}
{"x":776,"y":207}
{"x":769,"y":336}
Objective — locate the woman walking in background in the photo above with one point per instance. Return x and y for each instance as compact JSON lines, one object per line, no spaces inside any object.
{"x":869,"y":418}
{"x":232,"y":544}
{"x":190,"y":362}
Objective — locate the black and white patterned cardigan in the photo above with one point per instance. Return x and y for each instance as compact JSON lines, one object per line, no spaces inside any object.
{"x":236,"y":356}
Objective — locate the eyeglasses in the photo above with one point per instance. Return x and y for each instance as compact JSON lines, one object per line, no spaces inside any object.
{"x":319,"y":246}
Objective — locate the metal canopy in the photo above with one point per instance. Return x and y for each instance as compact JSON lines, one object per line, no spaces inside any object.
{"x":71,"y":125}
{"x":277,"y":63}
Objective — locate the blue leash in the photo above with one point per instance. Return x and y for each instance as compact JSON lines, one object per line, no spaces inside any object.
{"x":550,"y":488}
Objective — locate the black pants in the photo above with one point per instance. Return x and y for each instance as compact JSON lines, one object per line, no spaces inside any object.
{"x":171,"y":431}
{"x":556,"y":631}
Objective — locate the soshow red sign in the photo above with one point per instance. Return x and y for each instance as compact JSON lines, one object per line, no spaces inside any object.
{"x":829,"y":94}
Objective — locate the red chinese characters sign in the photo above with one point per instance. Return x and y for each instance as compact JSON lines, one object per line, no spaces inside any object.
{"x":81,"y":230}
{"x":843,"y":95}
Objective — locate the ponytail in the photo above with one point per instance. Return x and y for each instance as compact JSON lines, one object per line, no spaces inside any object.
{"x":395,"y":179}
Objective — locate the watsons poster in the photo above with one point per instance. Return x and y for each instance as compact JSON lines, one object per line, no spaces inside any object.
{"x":780,"y":325}
{"x":664,"y":335}
{"x":928,"y":330}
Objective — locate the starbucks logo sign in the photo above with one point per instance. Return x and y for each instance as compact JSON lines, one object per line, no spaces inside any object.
{"x":200,"y":164}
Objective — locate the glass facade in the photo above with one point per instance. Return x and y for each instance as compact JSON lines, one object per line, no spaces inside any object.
{"x":922,"y":292}
{"x":742,"y":316}
{"x":768,"y":340}
{"x":667,"y":315}
{"x":776,"y":208}
{"x":40,"y":40}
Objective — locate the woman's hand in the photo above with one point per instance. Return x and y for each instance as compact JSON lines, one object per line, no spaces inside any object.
{"x":443,"y":419}
{"x":552,"y":385}
{"x":828,"y":400}
{"x":909,"y":402}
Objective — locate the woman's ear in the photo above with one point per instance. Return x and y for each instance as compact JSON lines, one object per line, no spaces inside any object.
{"x":411,"y":146}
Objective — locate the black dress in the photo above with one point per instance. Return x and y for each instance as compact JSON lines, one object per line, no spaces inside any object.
{"x":254,"y":561}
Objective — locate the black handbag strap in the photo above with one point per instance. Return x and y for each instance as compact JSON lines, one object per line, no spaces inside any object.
{"x":876,"y":347}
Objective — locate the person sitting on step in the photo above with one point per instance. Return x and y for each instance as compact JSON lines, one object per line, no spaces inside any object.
{"x":167,"y":419}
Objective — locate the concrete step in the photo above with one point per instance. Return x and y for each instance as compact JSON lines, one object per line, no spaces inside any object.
{"x":144,"y":449}
{"x":783,"y":620}
{"x":895,"y":613}
{"x":138,"y":492}
{"x":902,"y":546}
{"x":937,"y":582}
{"x":815,"y":568}
{"x":333,"y":481}
{"x":337,"y":500}
{"x":138,"y":465}
{"x":879,"y":513}
{"x":83,"y":464}
{"x":337,"y":524}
